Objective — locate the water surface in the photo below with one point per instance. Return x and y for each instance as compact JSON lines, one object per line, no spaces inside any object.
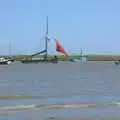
{"x":60,"y":91}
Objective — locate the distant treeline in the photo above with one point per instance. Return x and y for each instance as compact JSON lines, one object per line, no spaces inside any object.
{"x":64,"y":58}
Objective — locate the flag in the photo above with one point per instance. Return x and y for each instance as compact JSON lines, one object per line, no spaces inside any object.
{"x":60,"y":48}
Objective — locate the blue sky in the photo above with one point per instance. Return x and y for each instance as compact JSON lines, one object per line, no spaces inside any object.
{"x":90,"y":24}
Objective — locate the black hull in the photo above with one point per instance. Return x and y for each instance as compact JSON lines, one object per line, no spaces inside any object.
{"x":4,"y":63}
{"x":39,"y":61}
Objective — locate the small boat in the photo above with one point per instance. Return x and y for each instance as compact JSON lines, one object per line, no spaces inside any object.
{"x":4,"y":61}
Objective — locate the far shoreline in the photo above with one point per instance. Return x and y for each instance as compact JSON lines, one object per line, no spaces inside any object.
{"x":64,"y":58}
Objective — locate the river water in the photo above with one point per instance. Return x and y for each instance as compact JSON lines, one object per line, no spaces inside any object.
{"x":63,"y":91}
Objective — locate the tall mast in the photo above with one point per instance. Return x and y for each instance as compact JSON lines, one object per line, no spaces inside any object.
{"x":46,"y":38}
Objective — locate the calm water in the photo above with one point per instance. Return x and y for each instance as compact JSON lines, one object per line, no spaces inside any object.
{"x":70,"y":91}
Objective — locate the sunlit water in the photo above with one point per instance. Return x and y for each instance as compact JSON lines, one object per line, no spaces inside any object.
{"x":60,"y":91}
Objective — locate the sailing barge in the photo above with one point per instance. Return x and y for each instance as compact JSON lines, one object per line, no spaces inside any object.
{"x":45,"y":58}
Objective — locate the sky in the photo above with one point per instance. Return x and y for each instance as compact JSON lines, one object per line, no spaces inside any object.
{"x":93,"y":25}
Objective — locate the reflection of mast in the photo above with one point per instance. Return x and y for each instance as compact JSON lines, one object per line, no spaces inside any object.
{"x":46,"y":38}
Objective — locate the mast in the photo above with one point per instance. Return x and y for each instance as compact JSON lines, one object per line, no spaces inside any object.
{"x":46,"y":38}
{"x":9,"y":48}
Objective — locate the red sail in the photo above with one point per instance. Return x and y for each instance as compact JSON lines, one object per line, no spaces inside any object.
{"x":59,"y":48}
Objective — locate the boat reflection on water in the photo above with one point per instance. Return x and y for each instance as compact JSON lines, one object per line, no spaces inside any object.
{"x":117,"y":62}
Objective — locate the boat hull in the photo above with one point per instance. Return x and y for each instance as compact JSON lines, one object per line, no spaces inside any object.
{"x":39,"y":61}
{"x":5,"y":62}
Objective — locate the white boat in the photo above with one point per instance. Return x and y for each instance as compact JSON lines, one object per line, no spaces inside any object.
{"x":4,"y":61}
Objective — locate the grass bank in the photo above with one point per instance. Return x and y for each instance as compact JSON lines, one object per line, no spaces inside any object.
{"x":63,"y":58}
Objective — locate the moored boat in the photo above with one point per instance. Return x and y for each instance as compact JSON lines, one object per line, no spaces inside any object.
{"x":4,"y":61}
{"x":45,"y":58}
